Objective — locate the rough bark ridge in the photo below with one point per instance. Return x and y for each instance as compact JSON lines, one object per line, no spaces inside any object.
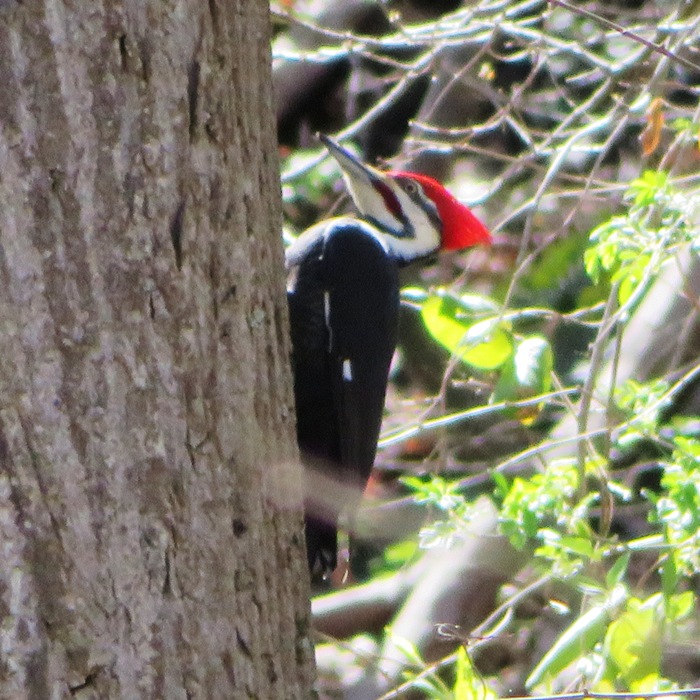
{"x":149,"y":493}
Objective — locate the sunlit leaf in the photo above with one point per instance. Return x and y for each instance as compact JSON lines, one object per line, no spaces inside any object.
{"x":485,"y":344}
{"x":669,"y":580}
{"x":680,"y":606}
{"x":578,"y":639}
{"x":618,"y":570}
{"x":526,"y":373}
{"x":633,"y":642}
{"x":439,"y":315}
{"x":630,"y":276}
{"x":469,"y":685}
{"x":644,"y":189}
{"x":533,"y":365}
{"x":578,"y":545}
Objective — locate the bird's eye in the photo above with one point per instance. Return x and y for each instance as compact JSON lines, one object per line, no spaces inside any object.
{"x":410,"y":187}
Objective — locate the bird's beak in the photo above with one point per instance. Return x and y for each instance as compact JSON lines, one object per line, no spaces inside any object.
{"x":354,"y":169}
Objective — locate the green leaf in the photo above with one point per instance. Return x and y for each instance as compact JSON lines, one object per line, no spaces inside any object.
{"x":633,"y":642}
{"x":399,"y":553}
{"x":618,"y":570}
{"x":578,"y":639}
{"x":469,"y":685}
{"x":408,"y":649}
{"x":578,"y":545}
{"x":485,"y":344}
{"x":533,"y":365}
{"x":630,"y":276}
{"x":669,"y":579}
{"x":533,"y":504}
{"x":681,"y":124}
{"x":440,"y":317}
{"x":502,"y":486}
{"x":528,"y":372}
{"x":680,"y":606}
{"x":643,"y":190}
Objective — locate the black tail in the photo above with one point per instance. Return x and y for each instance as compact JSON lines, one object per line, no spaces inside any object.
{"x":321,"y":546}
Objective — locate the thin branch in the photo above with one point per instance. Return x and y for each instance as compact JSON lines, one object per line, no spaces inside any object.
{"x":455,"y":418}
{"x":658,"y":48}
{"x":590,"y":695}
{"x":587,"y":391}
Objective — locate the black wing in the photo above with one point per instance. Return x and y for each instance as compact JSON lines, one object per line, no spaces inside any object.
{"x":344,"y":316}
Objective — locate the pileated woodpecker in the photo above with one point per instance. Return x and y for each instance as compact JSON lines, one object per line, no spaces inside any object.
{"x":344,"y":303}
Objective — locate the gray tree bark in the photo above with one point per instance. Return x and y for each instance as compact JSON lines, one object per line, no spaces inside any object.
{"x":150,"y":529}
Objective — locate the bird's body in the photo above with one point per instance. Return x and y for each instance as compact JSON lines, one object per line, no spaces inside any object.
{"x":343,"y":304}
{"x":344,"y":320}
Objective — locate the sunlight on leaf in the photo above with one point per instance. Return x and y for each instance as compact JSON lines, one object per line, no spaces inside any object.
{"x":526,"y":373}
{"x":633,"y":641}
{"x":578,"y":639}
{"x":484,"y":344}
{"x":469,"y":685}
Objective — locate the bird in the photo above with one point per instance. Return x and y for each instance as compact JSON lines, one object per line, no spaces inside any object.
{"x":343,"y":298}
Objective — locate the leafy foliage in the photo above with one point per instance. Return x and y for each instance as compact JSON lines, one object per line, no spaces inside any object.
{"x":630,"y":248}
{"x":576,"y":131}
{"x":460,"y":326}
{"x":678,"y":509}
{"x":475,"y":330}
{"x":617,"y":639}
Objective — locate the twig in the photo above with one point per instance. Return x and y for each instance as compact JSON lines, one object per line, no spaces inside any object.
{"x":658,"y":48}
{"x":590,"y":695}
{"x":587,"y":391}
{"x":455,"y":418}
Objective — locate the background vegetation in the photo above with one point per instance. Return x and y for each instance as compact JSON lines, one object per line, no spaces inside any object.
{"x":533,"y":524}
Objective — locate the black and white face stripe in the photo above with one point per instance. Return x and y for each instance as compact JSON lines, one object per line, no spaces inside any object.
{"x":418,"y":231}
{"x":415,"y":191}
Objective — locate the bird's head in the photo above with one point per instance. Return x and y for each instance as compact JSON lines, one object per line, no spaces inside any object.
{"x":416,"y":213}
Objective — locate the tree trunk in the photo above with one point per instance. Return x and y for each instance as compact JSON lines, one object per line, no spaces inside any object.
{"x":150,"y":524}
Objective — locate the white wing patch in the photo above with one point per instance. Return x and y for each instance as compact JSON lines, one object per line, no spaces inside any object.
{"x":327,"y":317}
{"x":347,"y":370}
{"x":327,"y":307}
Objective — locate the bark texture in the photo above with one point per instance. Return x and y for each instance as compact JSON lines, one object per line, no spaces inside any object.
{"x":150,"y":525}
